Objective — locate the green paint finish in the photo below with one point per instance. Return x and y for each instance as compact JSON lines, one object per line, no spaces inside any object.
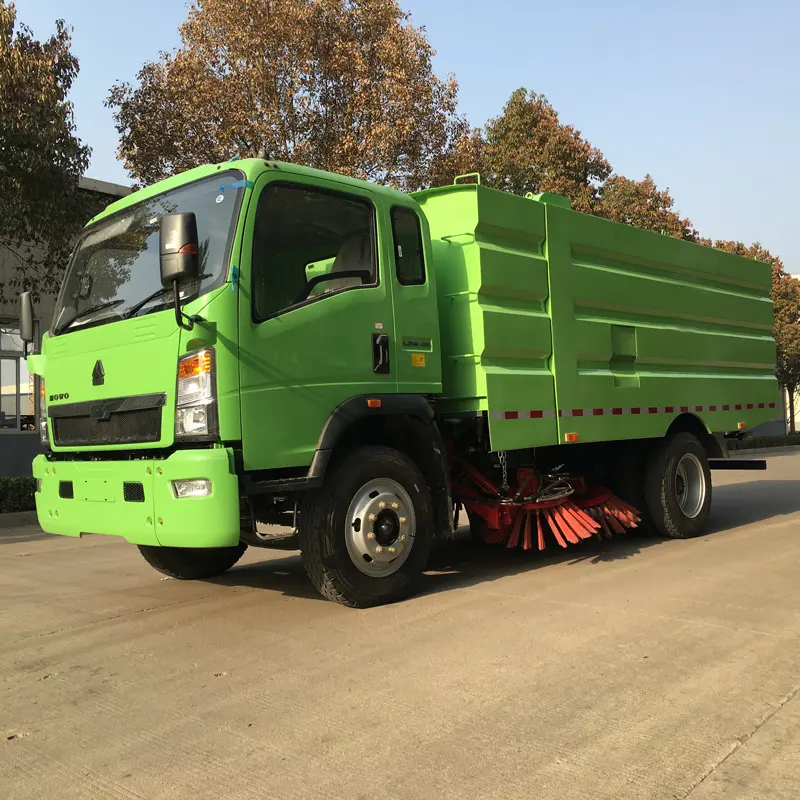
{"x":491,"y":277}
{"x":297,"y":366}
{"x":647,"y":321}
{"x":99,"y":506}
{"x":545,"y":309}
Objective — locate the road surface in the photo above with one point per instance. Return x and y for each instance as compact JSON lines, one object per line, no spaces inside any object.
{"x":653,"y":669}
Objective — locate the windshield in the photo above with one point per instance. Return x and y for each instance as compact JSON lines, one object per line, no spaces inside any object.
{"x":116,"y":264}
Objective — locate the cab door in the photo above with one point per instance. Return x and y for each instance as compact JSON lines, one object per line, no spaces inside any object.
{"x":416,"y":317}
{"x":315,"y":314}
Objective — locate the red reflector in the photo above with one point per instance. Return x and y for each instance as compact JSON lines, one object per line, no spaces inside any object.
{"x":189,"y":250}
{"x":373,"y":403}
{"x":570,"y":437}
{"x":741,"y":426}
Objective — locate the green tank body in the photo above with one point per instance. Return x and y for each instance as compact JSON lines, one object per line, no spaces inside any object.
{"x":558,"y":324}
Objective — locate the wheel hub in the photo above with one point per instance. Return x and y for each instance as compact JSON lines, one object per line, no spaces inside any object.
{"x":387,"y":528}
{"x":380,"y":527}
{"x":690,"y":485}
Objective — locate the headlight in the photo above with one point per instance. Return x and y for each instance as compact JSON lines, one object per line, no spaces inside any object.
{"x":43,"y":414}
{"x":196,"y":406}
{"x":191,"y":421}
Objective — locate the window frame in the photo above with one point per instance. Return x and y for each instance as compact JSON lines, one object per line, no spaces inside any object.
{"x":310,"y":187}
{"x":416,"y":216}
{"x":18,"y":356}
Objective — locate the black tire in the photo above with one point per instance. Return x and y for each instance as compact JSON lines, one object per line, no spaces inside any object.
{"x":322,"y":529}
{"x":662,"y":484}
{"x":192,"y":563}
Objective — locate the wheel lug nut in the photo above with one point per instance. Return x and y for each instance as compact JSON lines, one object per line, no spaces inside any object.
{"x":371,"y":535}
{"x":403,"y":520}
{"x":378,"y":549}
{"x":373,"y":517}
{"x":402,"y":537}
{"x":381,"y":504}
{"x":395,"y":506}
{"x":392,"y":550}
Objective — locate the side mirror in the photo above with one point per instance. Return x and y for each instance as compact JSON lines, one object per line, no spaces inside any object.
{"x":179,"y":249}
{"x":26,"y":318}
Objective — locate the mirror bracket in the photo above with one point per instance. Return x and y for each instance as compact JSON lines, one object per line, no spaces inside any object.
{"x":183,"y":320}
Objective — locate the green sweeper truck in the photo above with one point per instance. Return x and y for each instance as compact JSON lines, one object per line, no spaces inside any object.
{"x":260,"y":354}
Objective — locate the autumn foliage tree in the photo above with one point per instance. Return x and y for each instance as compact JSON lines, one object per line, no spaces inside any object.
{"x":348,"y":86}
{"x":527,"y":149}
{"x":41,"y":158}
{"x":643,"y":205}
{"x":342,"y":85}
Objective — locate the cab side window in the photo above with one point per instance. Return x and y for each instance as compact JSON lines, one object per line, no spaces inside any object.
{"x":308,"y":244}
{"x":408,"y":257}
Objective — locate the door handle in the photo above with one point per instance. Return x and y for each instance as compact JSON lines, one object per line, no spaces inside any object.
{"x":380,"y":353}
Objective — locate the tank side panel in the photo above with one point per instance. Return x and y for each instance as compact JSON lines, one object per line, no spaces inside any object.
{"x":647,"y":327}
{"x":492,"y":286}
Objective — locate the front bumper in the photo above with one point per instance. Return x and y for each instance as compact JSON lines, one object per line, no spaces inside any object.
{"x":98,"y":504}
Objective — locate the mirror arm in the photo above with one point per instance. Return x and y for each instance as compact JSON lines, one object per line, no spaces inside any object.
{"x":183,"y":320}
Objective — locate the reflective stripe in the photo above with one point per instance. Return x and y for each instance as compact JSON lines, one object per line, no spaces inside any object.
{"x":633,"y":411}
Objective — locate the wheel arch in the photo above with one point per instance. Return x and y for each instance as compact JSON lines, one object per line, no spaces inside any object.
{"x":714,"y":445}
{"x":403,"y":422}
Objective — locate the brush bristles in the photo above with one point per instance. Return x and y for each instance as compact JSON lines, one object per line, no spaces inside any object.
{"x":567,"y":522}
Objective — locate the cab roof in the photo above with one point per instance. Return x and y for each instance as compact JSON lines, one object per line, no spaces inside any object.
{"x":252,"y":168}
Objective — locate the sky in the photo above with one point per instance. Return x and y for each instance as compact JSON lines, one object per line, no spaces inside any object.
{"x":703,"y":95}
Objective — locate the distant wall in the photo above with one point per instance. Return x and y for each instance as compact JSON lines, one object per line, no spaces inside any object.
{"x":17,"y":451}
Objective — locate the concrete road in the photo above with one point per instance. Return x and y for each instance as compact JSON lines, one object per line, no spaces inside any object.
{"x":650,"y":670}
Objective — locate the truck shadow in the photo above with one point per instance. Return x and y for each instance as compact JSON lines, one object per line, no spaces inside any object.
{"x":22,"y":535}
{"x":461,"y":562}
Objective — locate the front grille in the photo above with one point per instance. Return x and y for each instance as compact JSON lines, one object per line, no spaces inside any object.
{"x":66,"y":491}
{"x":133,"y":492}
{"x":126,"y":420}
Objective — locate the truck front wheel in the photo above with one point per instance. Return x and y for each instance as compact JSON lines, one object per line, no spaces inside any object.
{"x":192,"y":563}
{"x":367,"y":533}
{"x":678,"y":487}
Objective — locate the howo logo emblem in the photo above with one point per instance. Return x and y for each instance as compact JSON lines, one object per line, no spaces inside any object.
{"x":98,"y":374}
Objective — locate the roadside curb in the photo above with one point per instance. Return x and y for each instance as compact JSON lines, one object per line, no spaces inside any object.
{"x":18,"y":519}
{"x":765,"y":451}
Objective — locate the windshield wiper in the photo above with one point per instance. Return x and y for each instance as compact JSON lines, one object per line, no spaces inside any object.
{"x":90,"y":310}
{"x":136,"y":307}
{"x":142,"y":303}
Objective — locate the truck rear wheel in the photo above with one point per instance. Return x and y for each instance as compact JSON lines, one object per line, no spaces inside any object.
{"x":192,"y":563}
{"x":366,"y":534}
{"x":678,"y":487}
